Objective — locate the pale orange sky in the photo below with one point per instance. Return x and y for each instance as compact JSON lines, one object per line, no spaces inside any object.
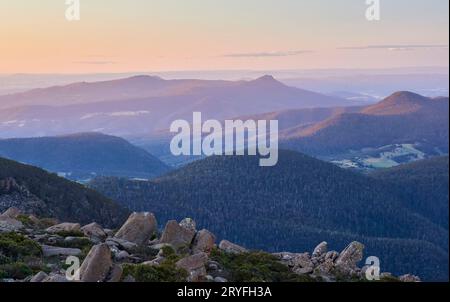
{"x":158,"y":35}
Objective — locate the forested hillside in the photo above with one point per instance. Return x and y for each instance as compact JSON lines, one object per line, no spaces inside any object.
{"x":291,"y":206}
{"x":424,"y":185}
{"x":84,"y":156}
{"x":38,"y":192}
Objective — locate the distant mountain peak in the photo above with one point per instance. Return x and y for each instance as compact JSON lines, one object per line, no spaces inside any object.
{"x":145,"y":77}
{"x":406,"y":96}
{"x":401,"y":102}
{"x":84,"y":134}
{"x":266,"y":81}
{"x":266,"y":77}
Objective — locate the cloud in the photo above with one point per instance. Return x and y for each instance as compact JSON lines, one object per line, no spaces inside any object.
{"x":268,"y":54}
{"x":95,"y":62}
{"x":399,"y":47}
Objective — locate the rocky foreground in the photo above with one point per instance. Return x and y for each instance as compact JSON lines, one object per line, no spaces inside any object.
{"x":44,"y":250}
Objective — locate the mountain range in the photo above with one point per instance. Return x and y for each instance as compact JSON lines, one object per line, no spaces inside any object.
{"x":292,"y":205}
{"x":84,"y":156}
{"x":402,"y":118}
{"x":144,"y":104}
{"x":402,"y":128}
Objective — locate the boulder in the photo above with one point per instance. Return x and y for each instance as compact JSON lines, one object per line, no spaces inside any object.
{"x":409,"y":278}
{"x":324,"y":269}
{"x":115,"y":274}
{"x":109,"y":232}
{"x":195,"y":266}
{"x":299,"y":263}
{"x":97,"y":265}
{"x":122,"y":255}
{"x":39,"y":277}
{"x":54,"y":278}
{"x":188,"y":223}
{"x":139,"y":228}
{"x":123,"y":244}
{"x":303,"y":264}
{"x":204,"y":241}
{"x":231,"y":248}
{"x":64,"y":227}
{"x":34,"y":219}
{"x":320,"y":250}
{"x":11,"y":213}
{"x":94,"y":231}
{"x":350,"y":256}
{"x":8,"y":224}
{"x":332,"y":255}
{"x":49,"y":251}
{"x":160,"y":246}
{"x":177,"y":235}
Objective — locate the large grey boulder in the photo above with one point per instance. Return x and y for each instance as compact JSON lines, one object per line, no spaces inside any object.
{"x":64,"y":227}
{"x":204,"y":241}
{"x":94,"y":231}
{"x":177,"y":235}
{"x":320,"y":250}
{"x":188,"y":223}
{"x":231,"y":248}
{"x":97,"y":265}
{"x":195,"y":266}
{"x":121,"y":243}
{"x":299,"y":263}
{"x":8,"y":224}
{"x":139,"y":228}
{"x":349,"y":257}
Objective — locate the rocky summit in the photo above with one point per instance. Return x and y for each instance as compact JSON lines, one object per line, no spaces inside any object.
{"x":43,"y":250}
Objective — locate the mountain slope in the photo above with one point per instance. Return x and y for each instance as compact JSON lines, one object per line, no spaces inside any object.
{"x":84,"y":155}
{"x":403,"y":118}
{"x":424,"y":185}
{"x":287,"y":207}
{"x":33,"y":190}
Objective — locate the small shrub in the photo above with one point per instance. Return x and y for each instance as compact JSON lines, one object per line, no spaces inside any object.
{"x":165,"y":272}
{"x":17,"y":246}
{"x":16,"y":270}
{"x":26,"y":221}
{"x":4,"y":259}
{"x":144,"y":252}
{"x":168,"y":251}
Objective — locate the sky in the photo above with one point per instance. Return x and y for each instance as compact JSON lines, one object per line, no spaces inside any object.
{"x":169,"y":35}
